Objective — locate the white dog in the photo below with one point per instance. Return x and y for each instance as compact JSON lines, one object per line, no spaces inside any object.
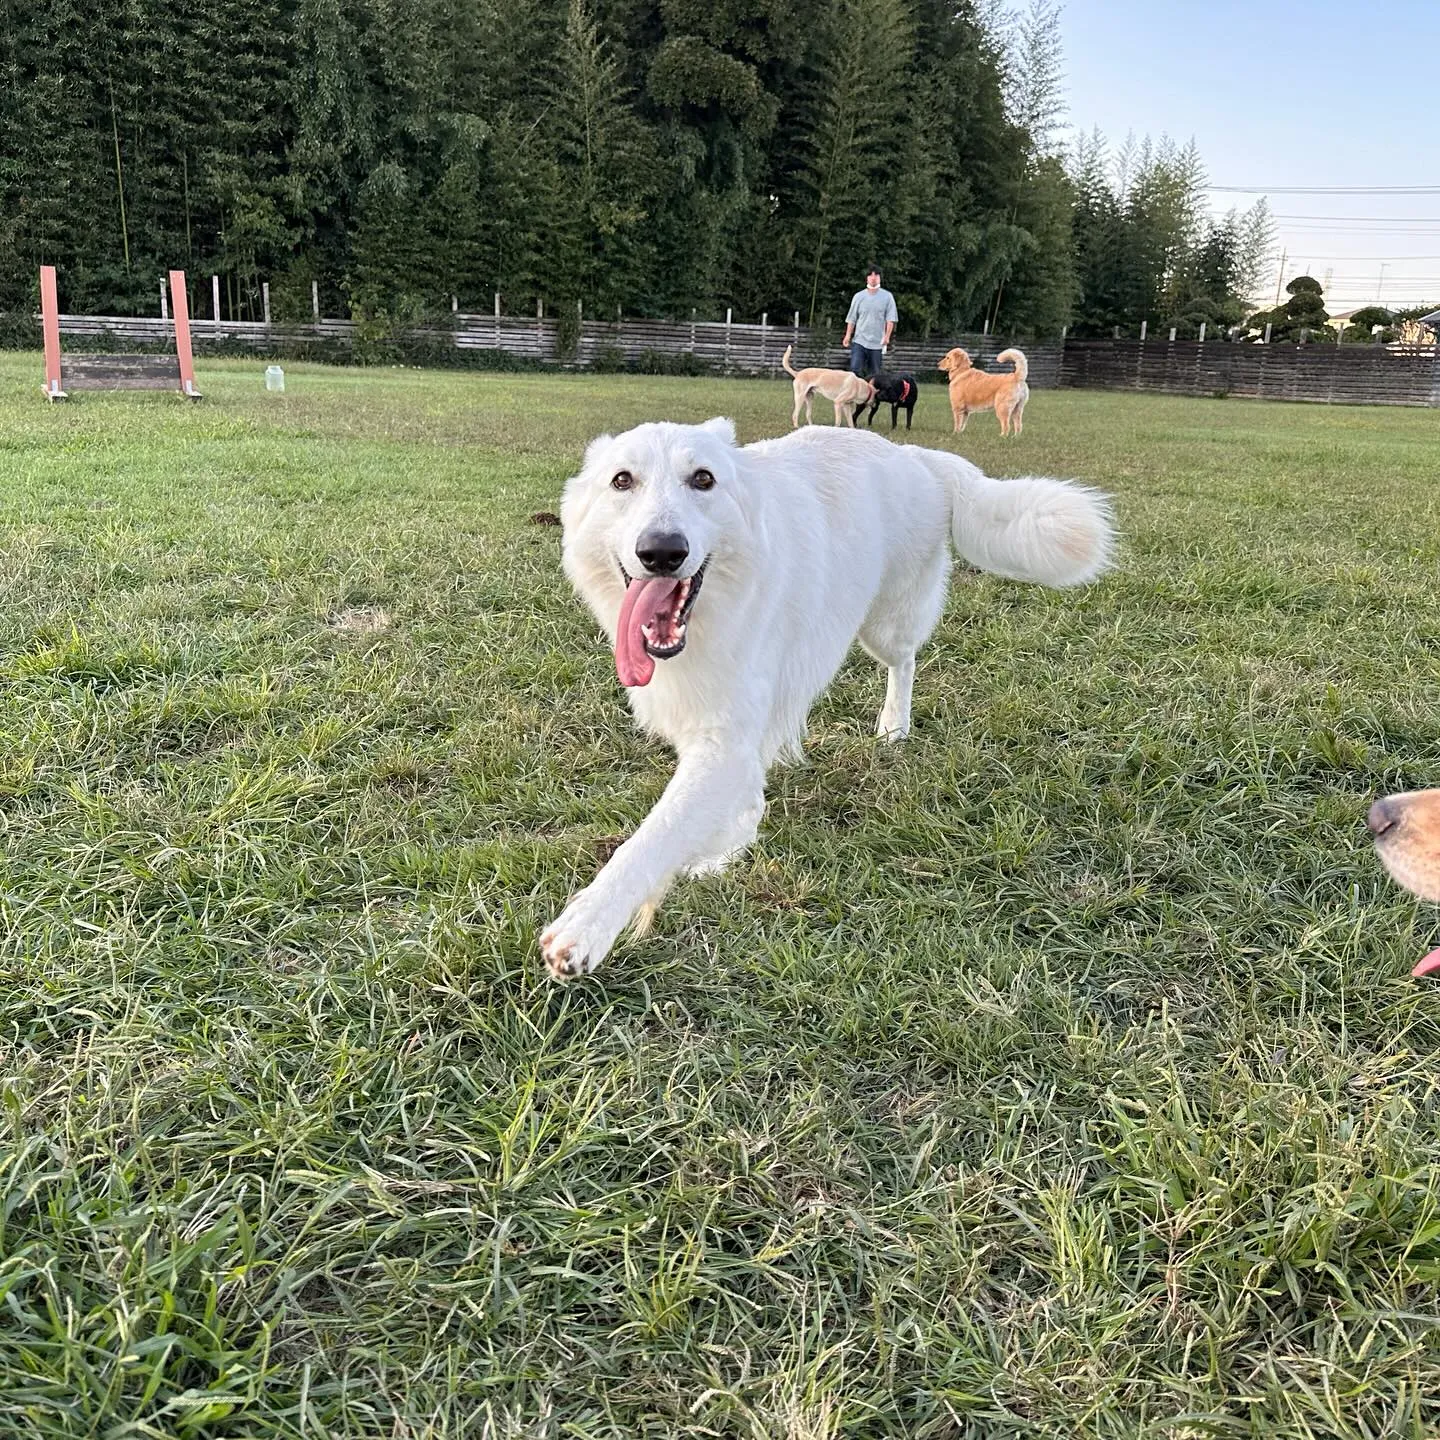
{"x":747,"y":574}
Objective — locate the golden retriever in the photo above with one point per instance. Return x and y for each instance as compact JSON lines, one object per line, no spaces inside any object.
{"x":972,"y":389}
{"x":844,"y":390}
{"x":1406,"y":828}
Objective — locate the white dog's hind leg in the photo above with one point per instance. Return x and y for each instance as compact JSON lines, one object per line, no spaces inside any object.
{"x":898,"y":624}
{"x":894,"y":721}
{"x":693,"y":821}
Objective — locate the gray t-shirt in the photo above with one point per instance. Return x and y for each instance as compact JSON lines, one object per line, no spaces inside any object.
{"x":869,"y":311}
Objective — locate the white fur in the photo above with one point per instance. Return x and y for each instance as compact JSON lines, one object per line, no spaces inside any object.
{"x":814,"y":540}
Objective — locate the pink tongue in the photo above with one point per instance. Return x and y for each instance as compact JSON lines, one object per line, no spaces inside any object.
{"x":644,"y":599}
{"x":1428,"y":966}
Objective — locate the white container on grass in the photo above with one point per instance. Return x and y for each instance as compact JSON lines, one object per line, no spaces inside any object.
{"x":274,"y":378}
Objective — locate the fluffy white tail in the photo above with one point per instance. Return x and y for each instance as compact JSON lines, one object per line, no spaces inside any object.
{"x":1052,"y":532}
{"x":1022,"y":365}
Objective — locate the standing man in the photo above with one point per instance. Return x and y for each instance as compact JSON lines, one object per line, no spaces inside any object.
{"x":871,"y":319}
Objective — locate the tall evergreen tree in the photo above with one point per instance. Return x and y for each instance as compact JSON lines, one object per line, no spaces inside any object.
{"x":599,"y":175}
{"x":658,"y":155}
{"x":858,"y":108}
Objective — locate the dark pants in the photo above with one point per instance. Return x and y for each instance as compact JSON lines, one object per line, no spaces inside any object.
{"x":865,"y":362}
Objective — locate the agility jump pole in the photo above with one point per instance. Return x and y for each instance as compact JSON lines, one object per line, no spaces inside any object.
{"x":180,"y":309}
{"x":50,"y":323}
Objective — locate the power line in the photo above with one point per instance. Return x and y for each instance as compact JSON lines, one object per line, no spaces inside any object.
{"x":1368,"y":219}
{"x":1400,"y":300}
{"x":1321,"y":232}
{"x":1326,"y":189}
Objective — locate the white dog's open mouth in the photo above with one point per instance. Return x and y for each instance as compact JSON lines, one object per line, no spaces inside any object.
{"x":652,"y":624}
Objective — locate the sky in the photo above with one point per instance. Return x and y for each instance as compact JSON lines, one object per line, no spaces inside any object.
{"x":1283,"y":95}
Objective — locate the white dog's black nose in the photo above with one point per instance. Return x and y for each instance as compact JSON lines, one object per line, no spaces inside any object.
{"x":662,"y":551}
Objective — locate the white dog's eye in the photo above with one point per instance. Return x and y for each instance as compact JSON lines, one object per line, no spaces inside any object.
{"x":702,"y":480}
{"x":622,"y":480}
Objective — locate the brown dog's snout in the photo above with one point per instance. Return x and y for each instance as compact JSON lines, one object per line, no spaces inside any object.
{"x":1406,"y":827}
{"x":1384,"y":815}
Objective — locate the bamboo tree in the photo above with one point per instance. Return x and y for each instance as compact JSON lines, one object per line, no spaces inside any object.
{"x":859,"y":95}
{"x":119,"y":177}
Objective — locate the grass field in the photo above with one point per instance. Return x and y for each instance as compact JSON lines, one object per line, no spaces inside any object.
{"x":1057,"y":1073}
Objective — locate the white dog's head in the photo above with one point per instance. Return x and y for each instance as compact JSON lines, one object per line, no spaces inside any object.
{"x":644,"y":519}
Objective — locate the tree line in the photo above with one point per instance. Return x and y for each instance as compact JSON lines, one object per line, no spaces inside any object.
{"x":652,"y":157}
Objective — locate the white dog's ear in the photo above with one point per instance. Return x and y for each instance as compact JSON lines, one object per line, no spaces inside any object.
{"x":722,"y":428}
{"x":593,"y":449}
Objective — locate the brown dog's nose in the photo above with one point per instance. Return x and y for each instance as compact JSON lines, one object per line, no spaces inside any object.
{"x":1384,"y":815}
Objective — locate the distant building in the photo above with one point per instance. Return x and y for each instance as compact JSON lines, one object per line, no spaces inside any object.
{"x":1340,"y":321}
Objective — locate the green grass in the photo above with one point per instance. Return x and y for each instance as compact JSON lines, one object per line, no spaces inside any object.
{"x":1055,"y":1074}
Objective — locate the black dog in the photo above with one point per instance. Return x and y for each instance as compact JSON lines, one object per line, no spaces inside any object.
{"x":894,"y":391}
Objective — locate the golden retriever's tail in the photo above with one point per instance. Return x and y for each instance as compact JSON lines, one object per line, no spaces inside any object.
{"x":1022,"y":365}
{"x":785,"y":361}
{"x":1051,"y":532}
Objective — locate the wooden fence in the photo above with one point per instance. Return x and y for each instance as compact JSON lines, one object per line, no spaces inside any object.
{"x":1327,"y":374}
{"x":131,"y":330}
{"x":731,"y":348}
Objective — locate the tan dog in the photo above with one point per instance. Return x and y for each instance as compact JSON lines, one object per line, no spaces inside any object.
{"x":1407,"y":836}
{"x":972,"y":389}
{"x":844,"y":390}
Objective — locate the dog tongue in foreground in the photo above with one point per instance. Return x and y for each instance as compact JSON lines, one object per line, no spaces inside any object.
{"x":1428,"y":966}
{"x":644,"y":599}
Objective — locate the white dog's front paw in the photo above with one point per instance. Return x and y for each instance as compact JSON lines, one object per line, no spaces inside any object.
{"x":712,"y":864}
{"x":578,"y":941}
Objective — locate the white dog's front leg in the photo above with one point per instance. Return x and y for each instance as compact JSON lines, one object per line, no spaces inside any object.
{"x":712,"y":785}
